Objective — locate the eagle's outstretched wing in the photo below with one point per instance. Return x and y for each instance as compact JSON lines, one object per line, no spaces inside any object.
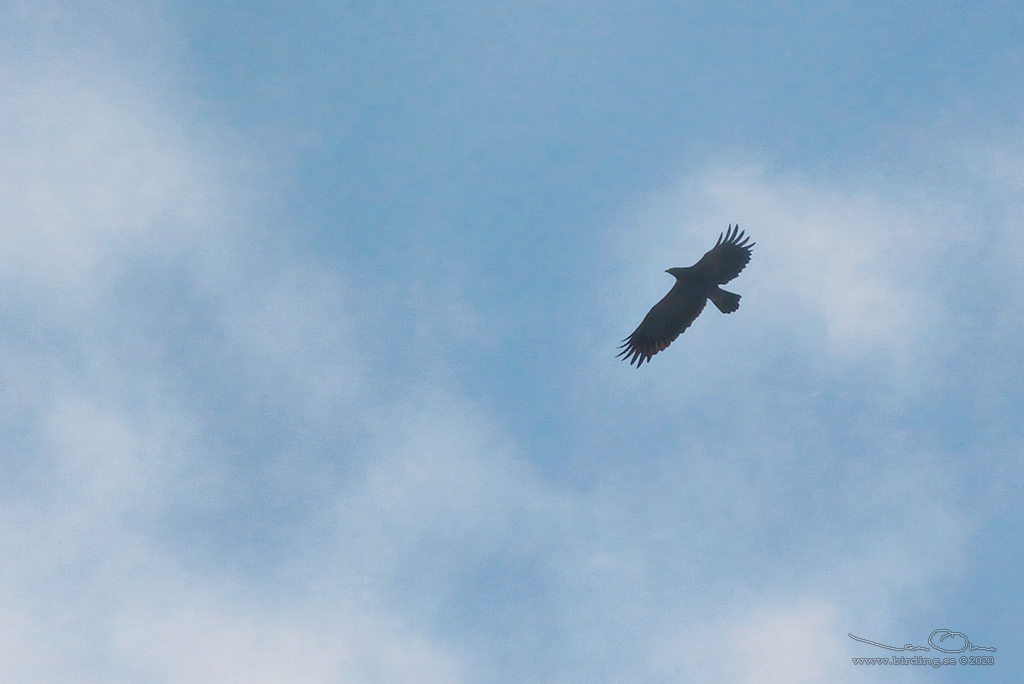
{"x":727,"y":258}
{"x":663,"y":323}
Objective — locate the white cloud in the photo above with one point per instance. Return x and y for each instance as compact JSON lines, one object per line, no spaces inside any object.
{"x":811,"y":494}
{"x":104,"y":194}
{"x":852,"y":264}
{"x":793,"y":643}
{"x":140,"y":313}
{"x":192,"y":637}
{"x":87,"y":171}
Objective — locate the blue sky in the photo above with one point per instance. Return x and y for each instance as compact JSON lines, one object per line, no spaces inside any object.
{"x":307,"y":353}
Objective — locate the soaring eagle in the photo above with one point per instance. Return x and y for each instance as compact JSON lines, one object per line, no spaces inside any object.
{"x":694,"y":287}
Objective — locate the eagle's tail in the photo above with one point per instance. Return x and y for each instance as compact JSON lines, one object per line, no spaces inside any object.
{"x":727,"y":302}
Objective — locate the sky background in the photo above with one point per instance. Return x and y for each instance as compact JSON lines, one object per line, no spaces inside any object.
{"x":307,"y":348}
